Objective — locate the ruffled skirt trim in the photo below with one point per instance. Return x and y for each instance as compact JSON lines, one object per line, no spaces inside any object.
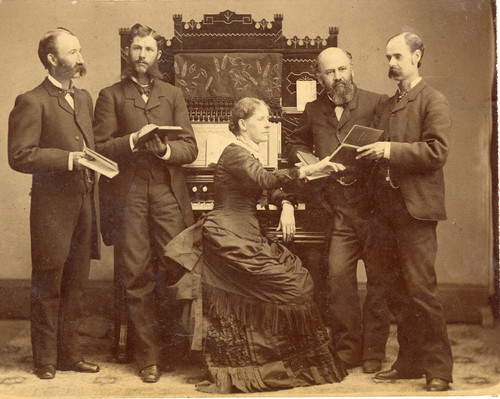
{"x":253,"y":346}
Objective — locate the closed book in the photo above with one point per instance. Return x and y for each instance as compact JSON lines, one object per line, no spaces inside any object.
{"x":171,"y":132}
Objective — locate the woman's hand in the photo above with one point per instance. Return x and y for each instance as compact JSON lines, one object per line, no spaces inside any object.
{"x":322,"y":166}
{"x":326,"y":166}
{"x":287,"y":221}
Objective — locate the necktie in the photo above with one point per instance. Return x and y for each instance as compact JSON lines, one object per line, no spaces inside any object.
{"x":70,"y":91}
{"x":145,"y":90}
{"x":401,"y":94}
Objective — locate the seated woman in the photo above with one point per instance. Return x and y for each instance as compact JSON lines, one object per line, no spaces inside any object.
{"x":262,"y":330}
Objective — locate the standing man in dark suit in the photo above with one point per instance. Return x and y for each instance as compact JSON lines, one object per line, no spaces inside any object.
{"x":48,"y":128}
{"x":409,"y":203}
{"x":357,"y":338}
{"x":150,"y":196}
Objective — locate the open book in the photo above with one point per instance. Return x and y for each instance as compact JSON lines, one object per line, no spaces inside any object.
{"x":306,"y":158}
{"x":99,"y":163}
{"x":170,"y":132}
{"x":345,"y":153}
{"x":357,"y":137}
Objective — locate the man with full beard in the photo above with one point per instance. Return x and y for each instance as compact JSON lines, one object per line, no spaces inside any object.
{"x":48,"y":129}
{"x":409,"y":203}
{"x":358,"y":337}
{"x":148,"y":203}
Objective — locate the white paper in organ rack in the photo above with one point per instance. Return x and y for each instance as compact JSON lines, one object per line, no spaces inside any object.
{"x":306,"y":92}
{"x":212,"y":138}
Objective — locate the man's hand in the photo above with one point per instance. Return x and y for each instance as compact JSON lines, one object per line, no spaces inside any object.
{"x":287,"y":221}
{"x":156,"y":145}
{"x":145,"y":128}
{"x":374,"y":151}
{"x":78,"y":155}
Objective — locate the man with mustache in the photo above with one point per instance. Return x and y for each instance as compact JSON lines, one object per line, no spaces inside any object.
{"x":48,"y":129}
{"x":409,"y":203}
{"x":359,"y":337}
{"x":148,"y":203}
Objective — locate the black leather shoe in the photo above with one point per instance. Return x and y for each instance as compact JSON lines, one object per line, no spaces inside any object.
{"x":150,"y":374}
{"x":437,"y":385}
{"x":46,"y":372}
{"x":81,"y":367}
{"x":393,"y":374}
{"x":371,"y":366}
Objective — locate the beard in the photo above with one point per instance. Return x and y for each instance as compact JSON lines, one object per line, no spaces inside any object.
{"x":70,"y":71}
{"x":153,"y":70}
{"x":342,"y":92}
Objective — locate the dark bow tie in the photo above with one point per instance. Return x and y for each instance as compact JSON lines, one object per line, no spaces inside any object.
{"x":71,"y":92}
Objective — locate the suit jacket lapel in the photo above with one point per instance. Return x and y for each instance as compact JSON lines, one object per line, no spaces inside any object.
{"x":412,"y":94}
{"x":154,"y":98}
{"x":132,"y":93}
{"x":54,"y":92}
{"x":82,"y":116}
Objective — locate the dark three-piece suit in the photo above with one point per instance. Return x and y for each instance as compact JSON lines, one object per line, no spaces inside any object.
{"x":357,"y":335}
{"x":148,"y":203}
{"x":43,"y":130}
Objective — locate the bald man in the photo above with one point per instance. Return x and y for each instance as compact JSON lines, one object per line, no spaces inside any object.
{"x":359,"y":337}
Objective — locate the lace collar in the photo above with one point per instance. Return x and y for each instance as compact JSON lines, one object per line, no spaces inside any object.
{"x":249,"y":145}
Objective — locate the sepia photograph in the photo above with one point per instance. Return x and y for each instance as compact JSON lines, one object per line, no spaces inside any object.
{"x":259,"y":199}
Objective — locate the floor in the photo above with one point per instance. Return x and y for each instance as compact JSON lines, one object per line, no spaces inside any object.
{"x":476,"y":351}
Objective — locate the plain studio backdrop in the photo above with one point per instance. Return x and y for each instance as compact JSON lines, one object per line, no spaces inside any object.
{"x":459,"y":61}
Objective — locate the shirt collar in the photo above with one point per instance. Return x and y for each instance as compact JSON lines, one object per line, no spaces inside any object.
{"x":140,"y":84}
{"x":412,"y":84}
{"x":415,"y":82}
{"x":56,"y":83}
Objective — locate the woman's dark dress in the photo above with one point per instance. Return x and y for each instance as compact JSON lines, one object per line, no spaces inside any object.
{"x":263,"y":331}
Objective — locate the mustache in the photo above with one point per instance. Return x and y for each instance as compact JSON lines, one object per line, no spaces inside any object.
{"x":393,"y":72}
{"x":153,"y":69}
{"x":81,"y":68}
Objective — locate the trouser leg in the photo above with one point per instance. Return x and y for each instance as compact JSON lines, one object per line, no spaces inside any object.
{"x":133,"y":257}
{"x":53,"y":224}
{"x":165,"y":223}
{"x":376,"y":315}
{"x":151,"y":218}
{"x":422,"y":334}
{"x":417,"y":250}
{"x":74,"y":278}
{"x":344,"y":310}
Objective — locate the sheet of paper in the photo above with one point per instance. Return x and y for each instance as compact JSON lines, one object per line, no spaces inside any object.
{"x":306,"y":92}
